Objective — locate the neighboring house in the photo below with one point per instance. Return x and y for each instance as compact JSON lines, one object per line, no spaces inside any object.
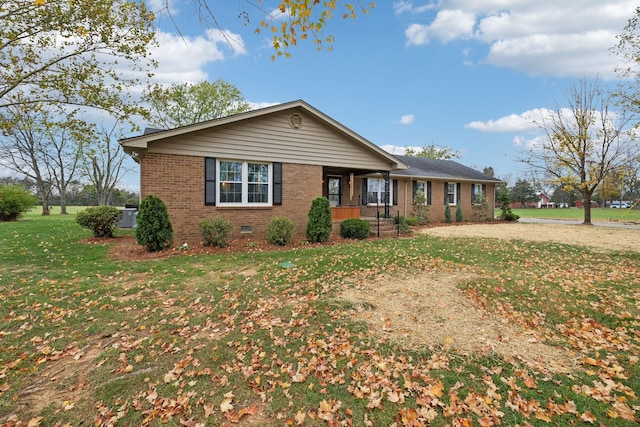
{"x":544,"y":201}
{"x":274,"y":161}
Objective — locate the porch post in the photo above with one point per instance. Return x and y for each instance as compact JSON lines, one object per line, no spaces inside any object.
{"x":387,"y":192}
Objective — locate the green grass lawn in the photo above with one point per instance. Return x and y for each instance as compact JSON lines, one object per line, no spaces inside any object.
{"x":217,"y":339}
{"x":597,"y":214}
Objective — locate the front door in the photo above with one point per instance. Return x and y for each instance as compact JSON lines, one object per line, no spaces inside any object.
{"x":334,"y":190}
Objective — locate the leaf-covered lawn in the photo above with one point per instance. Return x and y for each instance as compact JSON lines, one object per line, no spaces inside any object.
{"x":238,"y":339}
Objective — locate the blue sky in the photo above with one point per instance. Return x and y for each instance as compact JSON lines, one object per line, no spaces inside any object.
{"x":467,"y":74}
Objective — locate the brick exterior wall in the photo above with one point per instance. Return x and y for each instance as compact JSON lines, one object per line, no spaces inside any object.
{"x":179,"y":182}
{"x":436,"y":209}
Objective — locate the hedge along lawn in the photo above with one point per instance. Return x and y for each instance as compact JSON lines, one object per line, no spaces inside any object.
{"x":597,"y":214}
{"x":218,"y":339}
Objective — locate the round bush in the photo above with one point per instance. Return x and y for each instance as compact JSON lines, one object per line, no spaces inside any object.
{"x":14,"y":201}
{"x":355,"y":228}
{"x":101,"y":220}
{"x":153,"y":226}
{"x":215,"y":231}
{"x":319,"y":223}
{"x":280,"y":231}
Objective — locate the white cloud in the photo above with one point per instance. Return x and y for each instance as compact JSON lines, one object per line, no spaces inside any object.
{"x":406,"y":119}
{"x":183,"y":59}
{"x":525,"y":122}
{"x":542,"y":38}
{"x":401,"y":7}
{"x":448,"y":25}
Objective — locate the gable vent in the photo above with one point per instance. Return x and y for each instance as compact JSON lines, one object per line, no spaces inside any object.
{"x":295,"y":121}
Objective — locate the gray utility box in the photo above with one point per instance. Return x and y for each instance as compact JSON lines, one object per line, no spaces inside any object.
{"x":128,"y":219}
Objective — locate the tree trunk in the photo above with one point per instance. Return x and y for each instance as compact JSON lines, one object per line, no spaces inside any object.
{"x":587,"y":210}
{"x":63,"y":203}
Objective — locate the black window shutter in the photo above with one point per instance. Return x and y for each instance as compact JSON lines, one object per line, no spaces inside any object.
{"x":446,"y":193}
{"x":395,"y":191}
{"x":210,"y":181}
{"x":473,"y":193}
{"x":428,"y":192}
{"x":415,"y":188}
{"x":458,"y":186}
{"x":484,"y":190}
{"x":364,"y":191}
{"x":277,"y":184}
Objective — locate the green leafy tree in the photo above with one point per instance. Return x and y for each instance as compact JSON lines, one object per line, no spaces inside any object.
{"x":584,"y":142}
{"x":523,"y":192}
{"x":433,"y":151}
{"x":153,"y":226}
{"x":186,"y":103}
{"x":15,"y":201}
{"x":447,"y":214}
{"x":319,"y":224}
{"x":64,"y":53}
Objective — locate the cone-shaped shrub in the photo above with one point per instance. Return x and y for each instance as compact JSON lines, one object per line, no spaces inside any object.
{"x":153,"y":227}
{"x":319,"y":223}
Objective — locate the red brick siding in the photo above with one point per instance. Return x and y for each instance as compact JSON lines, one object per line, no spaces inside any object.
{"x":179,"y":182}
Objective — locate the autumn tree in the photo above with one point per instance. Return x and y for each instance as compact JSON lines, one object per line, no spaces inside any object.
{"x":289,"y":23}
{"x":628,"y":49}
{"x":81,"y":53}
{"x":583,"y":143}
{"x":184,"y":104}
{"x":433,"y":151}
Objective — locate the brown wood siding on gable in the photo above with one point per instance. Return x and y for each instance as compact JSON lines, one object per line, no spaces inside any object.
{"x":272,"y":139}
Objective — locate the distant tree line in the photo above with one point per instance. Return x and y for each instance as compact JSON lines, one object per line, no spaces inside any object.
{"x":77,"y":193}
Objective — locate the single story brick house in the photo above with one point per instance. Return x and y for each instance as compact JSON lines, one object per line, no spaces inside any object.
{"x":274,"y":161}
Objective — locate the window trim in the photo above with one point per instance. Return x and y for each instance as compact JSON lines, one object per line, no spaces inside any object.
{"x":427,"y":190}
{"x":381,"y":190}
{"x":455,"y":193}
{"x":245,"y":184}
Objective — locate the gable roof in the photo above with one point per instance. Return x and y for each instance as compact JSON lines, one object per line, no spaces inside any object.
{"x":142,"y":142}
{"x":420,"y":167}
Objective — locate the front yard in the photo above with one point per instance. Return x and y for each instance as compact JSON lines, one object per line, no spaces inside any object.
{"x":436,"y":329}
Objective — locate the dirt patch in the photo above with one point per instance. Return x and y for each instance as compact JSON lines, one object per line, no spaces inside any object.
{"x":63,"y":382}
{"x":429,"y":311}
{"x":598,"y":237}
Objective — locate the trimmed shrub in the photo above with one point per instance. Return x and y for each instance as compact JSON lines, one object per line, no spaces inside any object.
{"x":280,"y":230}
{"x":447,"y":214}
{"x":101,"y":220}
{"x":319,"y":223}
{"x":413,"y":221}
{"x":14,"y":201}
{"x":153,"y":226}
{"x":215,"y":231}
{"x":355,"y":228}
{"x":402,"y":222}
{"x":459,"y":213}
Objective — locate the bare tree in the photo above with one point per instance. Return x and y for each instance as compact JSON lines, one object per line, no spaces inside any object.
{"x":583,"y":142}
{"x":103,"y":164}
{"x":45,"y":145}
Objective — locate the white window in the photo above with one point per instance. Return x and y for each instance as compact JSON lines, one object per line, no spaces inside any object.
{"x":243,"y":183}
{"x":451,"y":193}
{"x":378,"y":191}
